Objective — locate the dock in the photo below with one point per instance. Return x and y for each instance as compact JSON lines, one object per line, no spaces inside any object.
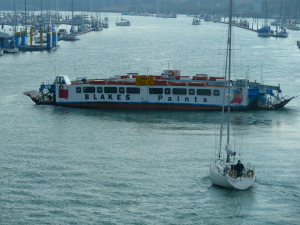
{"x":33,"y":48}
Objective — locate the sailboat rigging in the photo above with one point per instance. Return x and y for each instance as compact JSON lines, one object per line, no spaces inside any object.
{"x":223,"y":170}
{"x":265,"y":31}
{"x":122,"y":22}
{"x":12,"y":48}
{"x":282,"y":32}
{"x":72,"y":36}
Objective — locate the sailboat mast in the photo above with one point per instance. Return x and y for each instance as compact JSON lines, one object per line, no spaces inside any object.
{"x":25,"y":15}
{"x":72,"y":14}
{"x":229,"y":68}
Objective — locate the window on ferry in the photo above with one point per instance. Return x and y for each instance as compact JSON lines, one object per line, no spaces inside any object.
{"x":110,"y":89}
{"x":204,"y":92}
{"x":156,"y":91}
{"x":179,"y":91}
{"x":131,"y":90}
{"x":216,"y":92}
{"x":240,"y":83}
{"x":191,"y":91}
{"x":167,"y":91}
{"x":78,"y":89}
{"x":121,"y":90}
{"x":60,"y":80}
{"x":89,"y":89}
{"x":99,"y":89}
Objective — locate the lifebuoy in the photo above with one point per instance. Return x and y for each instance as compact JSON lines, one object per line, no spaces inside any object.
{"x":232,"y":173}
{"x":250,"y":173}
{"x":61,"y":86}
{"x":170,"y":71}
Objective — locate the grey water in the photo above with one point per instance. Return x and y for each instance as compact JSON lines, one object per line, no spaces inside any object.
{"x":62,"y":165}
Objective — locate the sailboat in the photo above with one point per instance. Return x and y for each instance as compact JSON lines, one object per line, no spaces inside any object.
{"x":265,"y":31}
{"x":72,"y":36}
{"x":123,"y":22}
{"x":12,"y":48}
{"x":282,"y":32}
{"x":196,"y":21}
{"x":224,"y":171}
{"x":105,"y":22}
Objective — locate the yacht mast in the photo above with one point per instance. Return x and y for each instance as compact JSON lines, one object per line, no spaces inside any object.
{"x":229,"y":68}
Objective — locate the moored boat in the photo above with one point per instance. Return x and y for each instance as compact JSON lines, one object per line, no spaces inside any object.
{"x":123,"y":22}
{"x":281,"y":33}
{"x":11,"y":49}
{"x":71,"y":37}
{"x":196,"y":21}
{"x":265,"y":32}
{"x":167,"y":91}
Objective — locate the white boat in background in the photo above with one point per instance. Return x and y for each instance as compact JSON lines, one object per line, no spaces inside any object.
{"x":71,"y":37}
{"x":282,"y":33}
{"x":244,"y":23}
{"x":275,"y":22}
{"x":105,"y":22}
{"x":37,"y":39}
{"x":293,"y":27}
{"x":62,"y":33}
{"x":123,"y":22}
{"x":11,"y":49}
{"x":196,"y":21}
{"x":224,"y":171}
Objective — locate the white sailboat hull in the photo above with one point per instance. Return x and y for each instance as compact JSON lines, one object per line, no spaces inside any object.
{"x":222,"y":179}
{"x":12,"y":50}
{"x":219,"y":180}
{"x":123,"y":24}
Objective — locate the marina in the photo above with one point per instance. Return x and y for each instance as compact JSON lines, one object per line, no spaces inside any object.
{"x":74,"y":165}
{"x":84,"y":25}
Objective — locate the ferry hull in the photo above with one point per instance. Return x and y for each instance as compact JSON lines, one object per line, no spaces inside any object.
{"x":144,"y":106}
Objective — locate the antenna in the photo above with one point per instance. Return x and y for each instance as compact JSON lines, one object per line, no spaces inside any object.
{"x":75,"y":69}
{"x":261,"y":75}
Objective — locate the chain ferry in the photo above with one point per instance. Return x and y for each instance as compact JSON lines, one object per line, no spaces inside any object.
{"x":167,"y":91}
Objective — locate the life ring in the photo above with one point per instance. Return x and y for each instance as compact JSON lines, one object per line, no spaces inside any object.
{"x":250,"y":173}
{"x":61,"y":87}
{"x":173,"y":73}
{"x":232,"y":173}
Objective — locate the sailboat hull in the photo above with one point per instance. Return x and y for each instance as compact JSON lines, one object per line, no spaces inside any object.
{"x":123,"y":24}
{"x":239,"y":183}
{"x":222,"y":179}
{"x":219,"y":180}
{"x":12,"y":50}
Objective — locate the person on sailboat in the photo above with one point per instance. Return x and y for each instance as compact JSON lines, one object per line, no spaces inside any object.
{"x":229,"y":152}
{"x":239,"y":168}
